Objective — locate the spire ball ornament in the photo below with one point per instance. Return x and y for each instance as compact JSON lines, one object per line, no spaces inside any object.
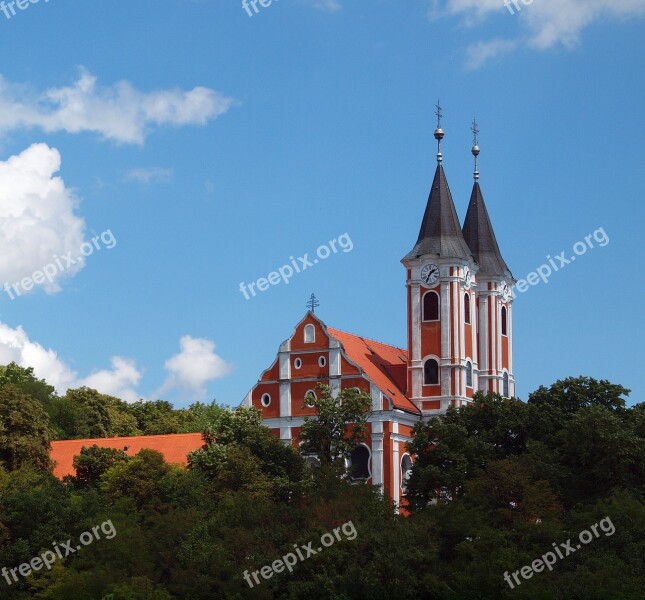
{"x":475,"y":149}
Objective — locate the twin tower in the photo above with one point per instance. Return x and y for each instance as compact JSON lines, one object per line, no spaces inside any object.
{"x":460,"y":320}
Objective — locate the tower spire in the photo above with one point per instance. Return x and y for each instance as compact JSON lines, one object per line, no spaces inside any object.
{"x":439,"y":134}
{"x":475,"y":150}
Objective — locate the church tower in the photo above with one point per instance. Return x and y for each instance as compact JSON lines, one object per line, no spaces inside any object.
{"x":441,"y":295}
{"x":494,"y":300}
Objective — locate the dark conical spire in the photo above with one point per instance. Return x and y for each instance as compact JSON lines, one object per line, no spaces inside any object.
{"x":480,"y":237}
{"x":440,"y":232}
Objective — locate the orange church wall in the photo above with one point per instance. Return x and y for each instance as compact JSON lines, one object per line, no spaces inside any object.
{"x":273,"y":373}
{"x":355,"y":382}
{"x":504,"y":352}
{"x":298,"y":339}
{"x":346,"y":368}
{"x":298,"y":391}
{"x":469,"y":340}
{"x":310,"y":366}
{"x":431,"y":404}
{"x":273,"y":389}
{"x":429,"y":391}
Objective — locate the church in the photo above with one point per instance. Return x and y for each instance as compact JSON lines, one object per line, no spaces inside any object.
{"x":460,"y":340}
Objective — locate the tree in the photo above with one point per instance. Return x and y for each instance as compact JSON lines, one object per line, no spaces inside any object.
{"x":93,"y":462}
{"x":24,"y":431}
{"x":102,"y":415}
{"x":339,"y":426}
{"x":240,"y":434}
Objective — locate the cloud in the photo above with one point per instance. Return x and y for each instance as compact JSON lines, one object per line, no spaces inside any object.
{"x":188,"y":371}
{"x":120,"y":381}
{"x":483,"y":52}
{"x":194,"y":366}
{"x":147,"y":175}
{"x":328,"y":5}
{"x":118,"y":112}
{"x":37,"y":218}
{"x":544,"y":23}
{"x":15,"y":346}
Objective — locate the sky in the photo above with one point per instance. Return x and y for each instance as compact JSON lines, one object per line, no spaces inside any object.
{"x":156,"y":155}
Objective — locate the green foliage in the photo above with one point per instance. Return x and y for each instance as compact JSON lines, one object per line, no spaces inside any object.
{"x":494,"y":485}
{"x":93,"y":462}
{"x":24,"y":430}
{"x":339,"y":425}
{"x":102,"y":415}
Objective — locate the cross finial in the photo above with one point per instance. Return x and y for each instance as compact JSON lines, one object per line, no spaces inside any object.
{"x":439,"y":113}
{"x":313,"y":303}
{"x":475,"y":150}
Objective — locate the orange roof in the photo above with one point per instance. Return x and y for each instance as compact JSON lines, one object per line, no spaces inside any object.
{"x":385,"y":365}
{"x":175,"y":448}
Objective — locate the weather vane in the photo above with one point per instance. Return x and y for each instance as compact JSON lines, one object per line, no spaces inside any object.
{"x":313,"y":303}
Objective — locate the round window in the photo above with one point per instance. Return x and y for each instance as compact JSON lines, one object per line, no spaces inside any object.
{"x":297,"y":363}
{"x":266,"y":400}
{"x":322,"y":361}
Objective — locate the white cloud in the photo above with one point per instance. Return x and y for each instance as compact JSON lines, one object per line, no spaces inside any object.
{"x":545,"y":23}
{"x":194,"y":366}
{"x":328,"y":5}
{"x":37,"y":219}
{"x":189,"y":371}
{"x":483,"y":52}
{"x":15,"y":346}
{"x":117,"y":112}
{"x":120,"y":381}
{"x":147,"y":175}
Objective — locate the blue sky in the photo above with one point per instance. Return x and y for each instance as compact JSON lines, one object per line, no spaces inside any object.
{"x":214,"y":146}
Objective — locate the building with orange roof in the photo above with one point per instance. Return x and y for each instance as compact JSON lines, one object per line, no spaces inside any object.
{"x":459,"y":325}
{"x":174,"y":447}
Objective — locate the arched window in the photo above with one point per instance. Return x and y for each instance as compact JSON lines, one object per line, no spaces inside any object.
{"x":504,"y":321}
{"x":467,"y":307}
{"x":310,"y":334}
{"x":469,"y":374}
{"x":359,"y":463}
{"x":406,"y":470}
{"x":309,"y":397}
{"x":431,"y":306}
{"x":505,"y":386}
{"x":431,"y":372}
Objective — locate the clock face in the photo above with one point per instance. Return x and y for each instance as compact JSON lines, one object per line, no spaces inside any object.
{"x":430,"y":274}
{"x":468,"y":277}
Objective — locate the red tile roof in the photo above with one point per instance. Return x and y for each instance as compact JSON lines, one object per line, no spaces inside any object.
{"x":175,"y":448}
{"x":385,"y":365}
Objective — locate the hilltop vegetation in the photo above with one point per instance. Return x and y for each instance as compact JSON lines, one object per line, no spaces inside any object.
{"x":494,"y":486}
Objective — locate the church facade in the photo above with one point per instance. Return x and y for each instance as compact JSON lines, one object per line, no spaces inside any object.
{"x":460,"y":340}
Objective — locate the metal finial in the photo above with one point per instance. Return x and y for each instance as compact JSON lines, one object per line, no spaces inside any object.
{"x":313,"y":303}
{"x":439,"y":134}
{"x":475,"y":150}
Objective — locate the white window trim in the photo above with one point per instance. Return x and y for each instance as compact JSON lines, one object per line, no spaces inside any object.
{"x":423,"y":319}
{"x":348,"y":463}
{"x":402,"y":477}
{"x":297,"y":363}
{"x":472,"y":374}
{"x":310,"y":327}
{"x":265,"y":395}
{"x":425,"y":360}
{"x":322,"y":361}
